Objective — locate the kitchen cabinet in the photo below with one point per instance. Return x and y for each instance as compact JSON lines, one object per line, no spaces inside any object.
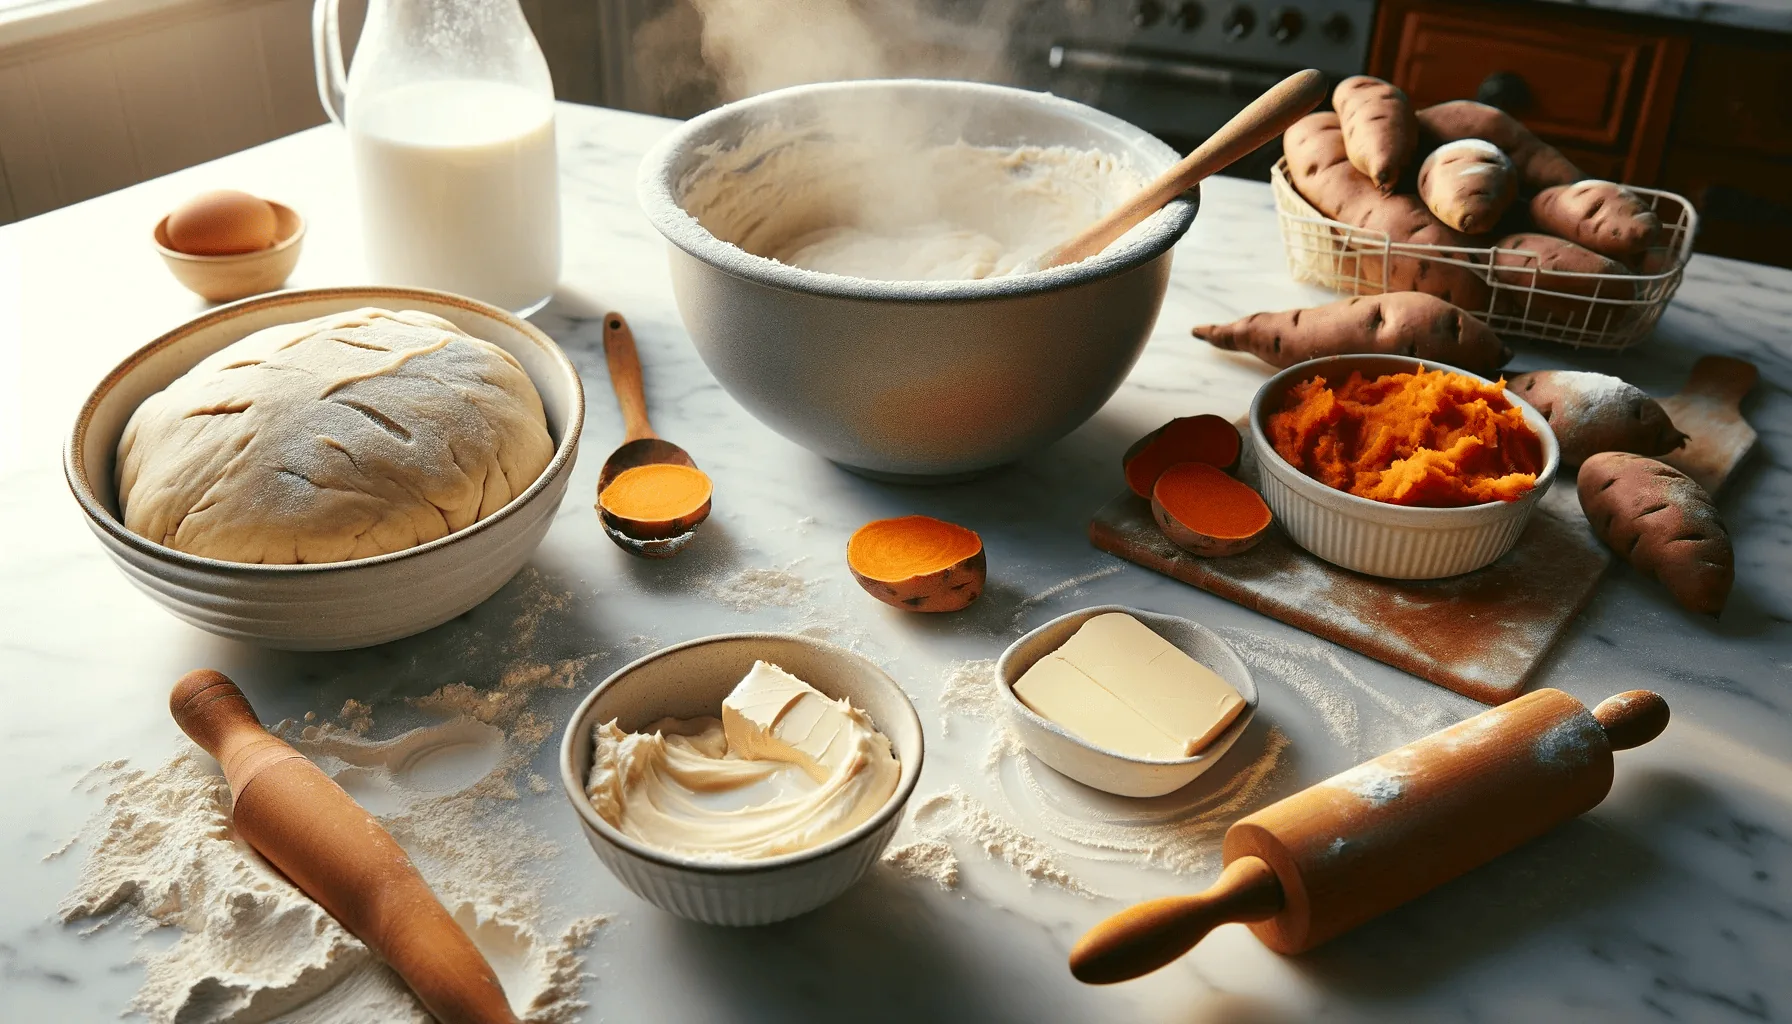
{"x":1700,"y":110}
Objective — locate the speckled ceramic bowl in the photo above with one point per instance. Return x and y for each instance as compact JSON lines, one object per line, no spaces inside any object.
{"x":334,"y":605}
{"x":690,"y":680}
{"x":1099,"y":767}
{"x":1374,"y":537}
{"x":916,"y":378}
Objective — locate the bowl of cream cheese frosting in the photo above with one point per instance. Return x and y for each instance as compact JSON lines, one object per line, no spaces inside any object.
{"x":852,"y":260}
{"x":742,"y":779}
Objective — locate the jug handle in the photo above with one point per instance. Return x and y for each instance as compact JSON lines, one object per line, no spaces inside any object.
{"x":326,"y":52}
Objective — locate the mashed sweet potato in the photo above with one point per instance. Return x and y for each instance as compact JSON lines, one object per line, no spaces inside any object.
{"x":1430,"y":438}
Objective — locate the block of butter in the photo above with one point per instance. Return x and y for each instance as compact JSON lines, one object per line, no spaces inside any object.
{"x":772,"y":715}
{"x":1120,"y":686}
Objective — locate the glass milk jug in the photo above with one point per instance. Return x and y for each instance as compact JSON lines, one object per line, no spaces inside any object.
{"x":450,"y":118}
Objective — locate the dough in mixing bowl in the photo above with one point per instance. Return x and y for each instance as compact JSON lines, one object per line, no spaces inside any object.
{"x":351,"y":435}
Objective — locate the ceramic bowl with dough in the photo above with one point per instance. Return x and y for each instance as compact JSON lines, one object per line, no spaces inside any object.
{"x":330,"y":605}
{"x":901,"y":379}
{"x":1099,"y":767}
{"x":1392,"y":541}
{"x":689,"y":680}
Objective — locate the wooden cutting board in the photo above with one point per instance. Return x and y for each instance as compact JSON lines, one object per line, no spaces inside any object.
{"x":1481,"y":634}
{"x":1708,"y":410}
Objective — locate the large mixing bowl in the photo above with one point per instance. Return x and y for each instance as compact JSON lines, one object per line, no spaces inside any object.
{"x":911,"y":378}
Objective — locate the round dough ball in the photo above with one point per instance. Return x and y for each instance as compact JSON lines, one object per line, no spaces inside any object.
{"x":351,"y":435}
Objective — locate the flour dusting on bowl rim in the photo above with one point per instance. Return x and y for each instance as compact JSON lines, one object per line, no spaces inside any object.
{"x":657,"y":183}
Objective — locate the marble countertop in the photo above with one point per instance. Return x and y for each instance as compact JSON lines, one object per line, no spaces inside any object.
{"x":1771,"y":15}
{"x":1671,"y":901}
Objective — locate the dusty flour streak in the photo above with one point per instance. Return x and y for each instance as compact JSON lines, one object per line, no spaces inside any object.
{"x":1376,"y":782}
{"x":955,"y":815}
{"x":932,"y":859}
{"x":1027,"y":604}
{"x":752,"y":589}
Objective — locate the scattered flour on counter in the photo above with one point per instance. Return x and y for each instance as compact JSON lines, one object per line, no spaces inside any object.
{"x":503,"y":705}
{"x":931,"y":859}
{"x":1027,"y":604}
{"x":955,"y":815}
{"x":355,"y":716}
{"x":752,"y":589}
{"x":252,"y":947}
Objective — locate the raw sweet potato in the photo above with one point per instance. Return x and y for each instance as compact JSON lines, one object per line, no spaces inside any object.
{"x":1380,"y":132}
{"x":1468,"y":184}
{"x":1657,"y":519}
{"x":1602,"y":216}
{"x":1595,"y":412}
{"x":1545,"y":278}
{"x":1320,"y":171}
{"x":1398,"y":324}
{"x":1540,"y":165}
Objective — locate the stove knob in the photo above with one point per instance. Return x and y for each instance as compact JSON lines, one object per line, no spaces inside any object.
{"x":1284,"y":24}
{"x":1187,"y":16}
{"x":1336,"y":28}
{"x":1238,"y":22}
{"x":1146,"y":13}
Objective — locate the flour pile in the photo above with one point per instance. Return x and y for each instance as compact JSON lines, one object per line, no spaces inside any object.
{"x":252,"y":947}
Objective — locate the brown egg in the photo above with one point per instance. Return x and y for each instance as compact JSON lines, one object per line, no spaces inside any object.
{"x":221,"y":223}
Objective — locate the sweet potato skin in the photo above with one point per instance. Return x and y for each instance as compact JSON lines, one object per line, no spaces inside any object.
{"x":951,"y":589}
{"x":1661,"y":522}
{"x":1398,"y":323}
{"x":1594,"y":412}
{"x":1468,"y":184}
{"x":1380,"y":132}
{"x":1512,"y":266}
{"x":1599,"y":215}
{"x":1540,"y":165}
{"x":1320,"y":171}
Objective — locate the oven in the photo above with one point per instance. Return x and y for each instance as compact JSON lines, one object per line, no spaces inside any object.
{"x":1180,"y":68}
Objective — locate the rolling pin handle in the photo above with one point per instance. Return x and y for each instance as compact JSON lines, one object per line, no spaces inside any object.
{"x":208,"y":707}
{"x":1632,"y":718}
{"x":1142,"y":938}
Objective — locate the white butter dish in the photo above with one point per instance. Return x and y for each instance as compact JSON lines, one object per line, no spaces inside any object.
{"x":1098,"y":767}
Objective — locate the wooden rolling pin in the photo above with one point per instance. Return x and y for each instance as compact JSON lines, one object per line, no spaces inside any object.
{"x":1308,"y":868}
{"x":301,"y":821}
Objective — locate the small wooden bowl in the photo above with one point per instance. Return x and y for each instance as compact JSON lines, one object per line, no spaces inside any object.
{"x":227,"y":278}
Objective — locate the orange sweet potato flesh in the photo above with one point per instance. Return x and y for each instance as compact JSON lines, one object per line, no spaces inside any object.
{"x":1320,"y":171}
{"x":1397,"y":324}
{"x":1207,"y":512}
{"x":1204,"y":438}
{"x":1430,"y":438}
{"x":1663,"y":523}
{"x":918,"y":563}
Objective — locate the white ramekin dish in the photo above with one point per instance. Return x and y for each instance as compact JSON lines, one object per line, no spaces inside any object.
{"x":333,"y":605}
{"x":1099,"y":767}
{"x":1373,"y":537}
{"x":690,"y":680}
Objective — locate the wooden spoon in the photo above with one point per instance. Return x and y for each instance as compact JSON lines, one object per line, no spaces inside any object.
{"x":305,"y":825}
{"x":1268,"y":116}
{"x":648,"y":538}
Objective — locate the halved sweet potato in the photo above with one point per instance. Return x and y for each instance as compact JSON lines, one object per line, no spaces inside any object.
{"x":1204,"y":438}
{"x":918,"y":563}
{"x":1206,"y":512}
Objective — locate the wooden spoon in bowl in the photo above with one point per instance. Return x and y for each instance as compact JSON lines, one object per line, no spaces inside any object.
{"x":650,"y":494}
{"x":1268,"y":116}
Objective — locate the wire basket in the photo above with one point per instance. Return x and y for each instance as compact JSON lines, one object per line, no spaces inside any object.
{"x":1611,"y":312}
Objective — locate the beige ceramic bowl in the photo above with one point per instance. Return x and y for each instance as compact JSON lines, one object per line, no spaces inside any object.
{"x":1099,"y":767}
{"x":227,"y":278}
{"x":690,"y":680}
{"x":334,"y":605}
{"x":1373,"y":537}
